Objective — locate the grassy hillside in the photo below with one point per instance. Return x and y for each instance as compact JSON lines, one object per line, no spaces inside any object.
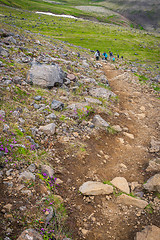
{"x":68,"y":7}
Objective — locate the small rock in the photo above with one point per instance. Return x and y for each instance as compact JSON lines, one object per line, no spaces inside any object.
{"x":99,"y":121}
{"x":52,"y":116}
{"x":141,"y":116}
{"x":131,"y":136}
{"x":48,"y":170}
{"x":37,"y":98}
{"x":58,"y":181}
{"x":155,"y":146}
{"x":32,"y":168}
{"x":57,"y":105}
{"x":71,"y":77}
{"x":121,"y":183}
{"x":26,"y":192}
{"x":2,"y":114}
{"x":23,"y":208}
{"x":30,"y":234}
{"x":95,"y":188}
{"x":123,"y":166}
{"x":8,"y":207}
{"x":84,"y":231}
{"x":48,"y":129}
{"x":27,"y":175}
{"x":36,"y":106}
{"x":142,"y":108}
{"x":117,"y":128}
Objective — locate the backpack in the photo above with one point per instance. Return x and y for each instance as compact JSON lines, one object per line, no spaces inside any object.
{"x":96,"y":54}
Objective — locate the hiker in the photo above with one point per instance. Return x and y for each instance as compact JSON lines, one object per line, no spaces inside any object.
{"x":110,"y":54}
{"x":122,"y":57}
{"x":105,"y":55}
{"x":117,"y":55}
{"x":97,"y":54}
{"x":113,"y":59}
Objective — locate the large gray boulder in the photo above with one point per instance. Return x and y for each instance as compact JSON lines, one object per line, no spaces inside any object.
{"x":101,"y":92}
{"x":30,"y":234}
{"x":149,"y":233}
{"x":153,"y":183}
{"x":95,"y":188}
{"x":46,"y":75}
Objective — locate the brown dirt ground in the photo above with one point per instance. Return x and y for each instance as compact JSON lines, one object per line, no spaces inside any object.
{"x":104,"y":218}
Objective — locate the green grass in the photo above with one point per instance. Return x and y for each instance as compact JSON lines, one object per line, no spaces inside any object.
{"x":107,"y":182}
{"x":149,"y":208}
{"x":88,"y":34}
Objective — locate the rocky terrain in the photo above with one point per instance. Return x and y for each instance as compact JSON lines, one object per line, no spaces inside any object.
{"x":79,"y":144}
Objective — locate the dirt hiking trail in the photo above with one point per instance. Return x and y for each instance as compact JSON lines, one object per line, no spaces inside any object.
{"x":124,"y":154}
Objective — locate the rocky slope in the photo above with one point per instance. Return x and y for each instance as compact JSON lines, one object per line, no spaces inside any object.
{"x":74,"y":154}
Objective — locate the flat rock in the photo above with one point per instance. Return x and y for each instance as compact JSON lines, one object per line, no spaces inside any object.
{"x":52,"y":116}
{"x":128,"y":200}
{"x":30,"y":234}
{"x":141,"y":116}
{"x":93,"y":100}
{"x":81,"y":106}
{"x":47,"y":170}
{"x":89,"y":80}
{"x":129,"y":135}
{"x":153,"y":183}
{"x":27,"y":175}
{"x":99,"y":121}
{"x":71,"y":77}
{"x":101,"y":92}
{"x":117,"y":128}
{"x":149,"y":233}
{"x":95,"y":188}
{"x":48,"y":129}
{"x":45,"y":75}
{"x":121,"y":183}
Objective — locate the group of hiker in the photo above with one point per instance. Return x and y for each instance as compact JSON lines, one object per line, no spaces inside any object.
{"x":105,"y":56}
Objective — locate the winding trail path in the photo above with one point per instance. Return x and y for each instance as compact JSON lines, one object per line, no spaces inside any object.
{"x":124,"y":154}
